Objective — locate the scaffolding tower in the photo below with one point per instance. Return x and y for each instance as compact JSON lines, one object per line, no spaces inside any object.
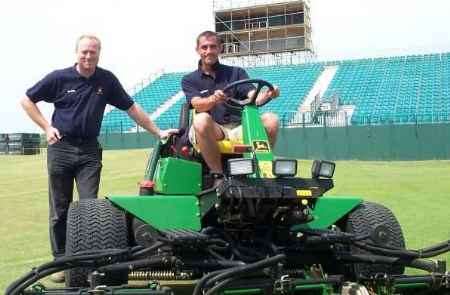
{"x":264,"y":32}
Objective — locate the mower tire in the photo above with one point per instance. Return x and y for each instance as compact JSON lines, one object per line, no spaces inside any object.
{"x":94,"y":224}
{"x":363,"y":220}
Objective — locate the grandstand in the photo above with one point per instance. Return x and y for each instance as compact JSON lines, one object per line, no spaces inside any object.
{"x":400,"y":89}
{"x":151,"y":98}
{"x":272,"y":40}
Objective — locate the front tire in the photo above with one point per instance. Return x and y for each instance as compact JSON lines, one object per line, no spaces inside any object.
{"x":94,"y":224}
{"x":362,"y":221}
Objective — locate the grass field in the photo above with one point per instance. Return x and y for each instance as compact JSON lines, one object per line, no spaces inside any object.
{"x":417,"y":192}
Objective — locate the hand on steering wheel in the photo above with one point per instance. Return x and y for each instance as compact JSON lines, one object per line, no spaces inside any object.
{"x":239,"y":104}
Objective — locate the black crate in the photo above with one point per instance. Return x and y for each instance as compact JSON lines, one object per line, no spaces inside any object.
{"x":3,"y":138}
{"x":15,"y":137}
{"x":24,"y":137}
{"x":3,"y":148}
{"x":31,"y":150}
{"x":15,"y":148}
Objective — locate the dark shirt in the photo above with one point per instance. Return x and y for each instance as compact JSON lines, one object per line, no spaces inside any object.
{"x":80,"y":102}
{"x":200,"y":84}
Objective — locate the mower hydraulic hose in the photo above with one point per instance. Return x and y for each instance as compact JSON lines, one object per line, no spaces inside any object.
{"x":401,"y":252}
{"x":81,"y":259}
{"x":218,"y":287}
{"x":368,"y":258}
{"x":246,"y":269}
{"x":437,"y":247}
{"x":139,"y":264}
{"x":24,"y":282}
{"x":147,"y":250}
{"x":199,"y":286}
{"x":331,"y":233}
{"x":212,"y":264}
{"x":333,"y":280}
{"x":234,"y":272}
{"x":387,"y":251}
{"x":331,"y":237}
{"x":214,"y":254}
{"x":432,"y":280}
{"x":428,"y":265}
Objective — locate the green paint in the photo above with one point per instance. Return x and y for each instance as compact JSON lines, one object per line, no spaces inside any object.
{"x":254,"y":134}
{"x":399,"y":287}
{"x":253,"y":131}
{"x":330,"y":209}
{"x":163,"y":211}
{"x":243,"y":291}
{"x":322,"y":288}
{"x":178,"y":177}
{"x":371,"y":142}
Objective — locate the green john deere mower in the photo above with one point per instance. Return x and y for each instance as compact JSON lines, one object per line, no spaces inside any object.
{"x":261,"y":231}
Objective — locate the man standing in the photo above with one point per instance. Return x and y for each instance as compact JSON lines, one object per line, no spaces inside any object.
{"x":79,"y":95}
{"x":214,"y":120}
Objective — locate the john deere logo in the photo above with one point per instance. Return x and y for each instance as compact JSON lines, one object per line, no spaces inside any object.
{"x":261,"y":146}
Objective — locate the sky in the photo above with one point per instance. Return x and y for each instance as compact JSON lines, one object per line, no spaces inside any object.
{"x":142,"y":37}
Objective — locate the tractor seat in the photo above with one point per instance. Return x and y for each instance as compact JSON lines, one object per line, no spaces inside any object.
{"x":226,"y":147}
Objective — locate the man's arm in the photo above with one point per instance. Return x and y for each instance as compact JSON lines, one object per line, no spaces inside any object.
{"x":142,"y":119}
{"x":35,"y":114}
{"x":204,"y":104}
{"x":193,"y":95}
{"x":263,"y":96}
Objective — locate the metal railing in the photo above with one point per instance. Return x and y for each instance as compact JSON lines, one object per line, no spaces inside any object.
{"x":341,"y":119}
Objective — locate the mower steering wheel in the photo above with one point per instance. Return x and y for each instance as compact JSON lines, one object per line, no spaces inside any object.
{"x":239,"y":104}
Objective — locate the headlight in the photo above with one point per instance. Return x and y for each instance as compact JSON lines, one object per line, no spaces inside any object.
{"x":241,"y":166}
{"x":322,"y":169}
{"x":284,"y":167}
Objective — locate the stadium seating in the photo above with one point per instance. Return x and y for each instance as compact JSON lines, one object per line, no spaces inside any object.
{"x":401,"y":89}
{"x":150,"y":98}
{"x":294,"y":80}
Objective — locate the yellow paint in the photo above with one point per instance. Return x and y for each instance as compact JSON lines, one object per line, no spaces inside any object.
{"x":265,"y":167}
{"x":304,"y":193}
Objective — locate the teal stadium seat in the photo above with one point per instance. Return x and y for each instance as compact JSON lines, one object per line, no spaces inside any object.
{"x":401,"y":89}
{"x":294,"y":80}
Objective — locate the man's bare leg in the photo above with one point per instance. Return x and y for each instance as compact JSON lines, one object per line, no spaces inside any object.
{"x":270,"y":122}
{"x":207,"y":133}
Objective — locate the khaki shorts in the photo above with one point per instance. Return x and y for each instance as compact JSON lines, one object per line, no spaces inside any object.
{"x":232,"y":132}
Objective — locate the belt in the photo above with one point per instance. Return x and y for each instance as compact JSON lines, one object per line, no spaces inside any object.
{"x":79,"y":140}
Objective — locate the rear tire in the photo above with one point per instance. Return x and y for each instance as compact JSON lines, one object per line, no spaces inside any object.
{"x":94,"y":224}
{"x":362,"y":221}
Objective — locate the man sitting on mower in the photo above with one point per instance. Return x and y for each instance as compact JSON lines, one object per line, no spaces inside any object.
{"x":215,"y":120}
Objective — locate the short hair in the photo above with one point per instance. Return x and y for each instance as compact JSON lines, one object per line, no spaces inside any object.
{"x":91,"y":37}
{"x":209,"y":34}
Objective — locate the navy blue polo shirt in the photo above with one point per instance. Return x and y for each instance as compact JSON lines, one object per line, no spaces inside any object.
{"x":200,"y":84}
{"x":79,"y":101}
